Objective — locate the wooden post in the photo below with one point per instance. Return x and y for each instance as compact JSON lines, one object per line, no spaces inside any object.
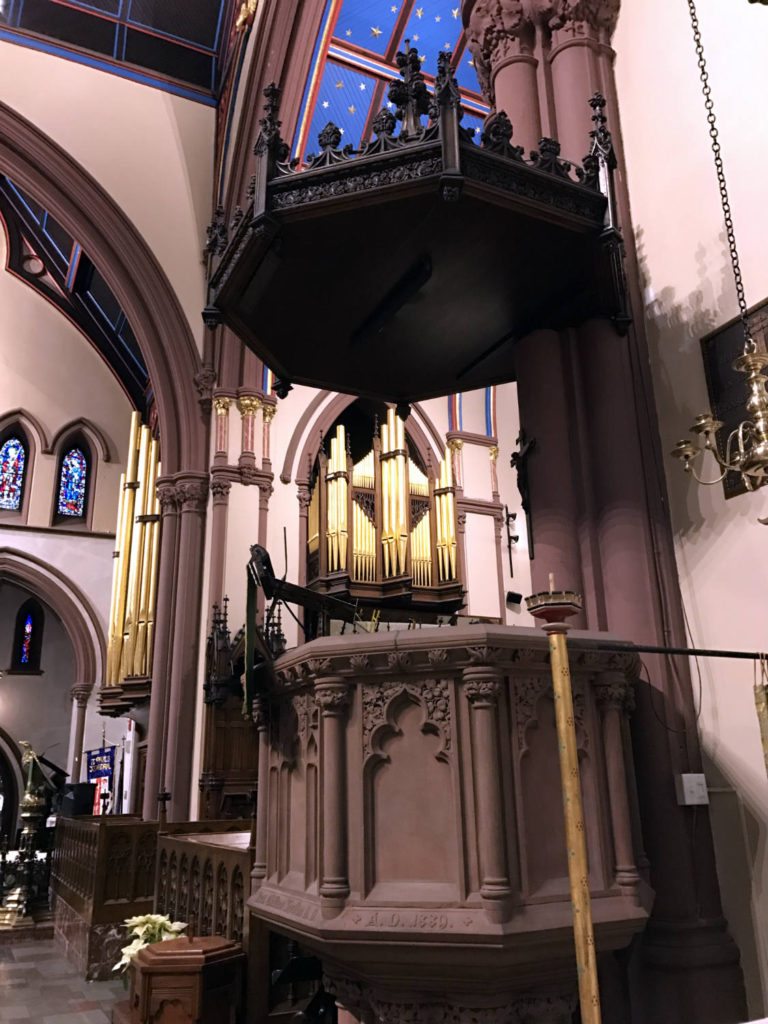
{"x":554,"y":607}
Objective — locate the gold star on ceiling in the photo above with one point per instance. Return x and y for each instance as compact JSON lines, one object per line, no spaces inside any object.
{"x":415,"y":38}
{"x":437,"y":17}
{"x":419,"y":12}
{"x":349,"y":32}
{"x":422,"y":58}
{"x":393,"y":9}
{"x":362,"y":87}
{"x":351,"y":110}
{"x":455,"y":12}
{"x":339,"y":85}
{"x":376,"y":32}
{"x":325,"y":104}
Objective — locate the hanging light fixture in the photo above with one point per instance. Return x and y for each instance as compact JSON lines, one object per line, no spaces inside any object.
{"x":746,"y":449}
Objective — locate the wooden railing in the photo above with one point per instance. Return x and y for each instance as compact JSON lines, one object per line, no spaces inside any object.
{"x":104,"y":867}
{"x":204,"y":879}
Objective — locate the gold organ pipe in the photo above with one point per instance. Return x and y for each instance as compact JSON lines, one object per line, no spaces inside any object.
{"x":343,"y":498}
{"x":124,"y":540}
{"x":140,"y":666}
{"x":113,"y":603}
{"x":402,"y":494}
{"x":386,"y":533}
{"x":313,"y":524}
{"x":155,"y":546}
{"x":130,"y":628}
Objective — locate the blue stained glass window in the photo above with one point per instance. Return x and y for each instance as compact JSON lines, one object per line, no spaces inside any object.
{"x":12,"y":459}
{"x":74,"y":473}
{"x":26,"y":641}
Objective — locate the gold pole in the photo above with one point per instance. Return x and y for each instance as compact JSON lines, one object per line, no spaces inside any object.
{"x":130,"y":486}
{"x":111,"y":679}
{"x":554,"y":607}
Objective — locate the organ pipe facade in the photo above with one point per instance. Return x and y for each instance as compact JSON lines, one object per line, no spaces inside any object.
{"x":384,"y":525}
{"x":134,"y":577}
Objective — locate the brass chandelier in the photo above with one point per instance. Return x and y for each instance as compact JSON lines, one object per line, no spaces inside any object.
{"x":746,"y":448}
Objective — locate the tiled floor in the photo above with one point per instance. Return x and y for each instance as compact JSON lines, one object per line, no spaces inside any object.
{"x":38,"y":986}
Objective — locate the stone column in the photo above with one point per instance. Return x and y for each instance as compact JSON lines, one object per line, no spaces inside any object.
{"x":248,"y":405}
{"x":192,"y":489}
{"x":268,"y":411}
{"x":551,"y":465}
{"x":166,"y":599}
{"x":221,"y":406}
{"x":581,"y":33}
{"x":79,"y":693}
{"x":612,"y":692}
{"x":220,"y":488}
{"x":501,"y":37}
{"x":482,"y":685}
{"x":333,"y":696}
{"x":261,"y":720}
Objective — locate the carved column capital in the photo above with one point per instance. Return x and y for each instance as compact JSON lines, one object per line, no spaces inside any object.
{"x":612,"y":691}
{"x":220,"y":488}
{"x":221,"y":405}
{"x":248,"y":405}
{"x":192,"y":489}
{"x":580,"y":18}
{"x":304,"y":497}
{"x":482,"y":685}
{"x":333,"y":695}
{"x":268,"y":412}
{"x":80,"y":693}
{"x":167,"y":495}
{"x":205,"y":378}
{"x":497,"y":30}
{"x":260,"y":713}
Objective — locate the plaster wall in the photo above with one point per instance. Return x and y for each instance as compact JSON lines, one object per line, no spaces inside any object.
{"x":48,"y":369}
{"x":689,"y":292}
{"x":154,"y":157}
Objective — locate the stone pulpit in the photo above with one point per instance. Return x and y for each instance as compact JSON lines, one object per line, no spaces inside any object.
{"x":410,"y":828}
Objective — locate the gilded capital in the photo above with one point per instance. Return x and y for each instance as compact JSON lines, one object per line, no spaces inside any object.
{"x":455,"y":444}
{"x":268,"y":412}
{"x":248,"y":405}
{"x":221,"y":405}
{"x":493,"y":452}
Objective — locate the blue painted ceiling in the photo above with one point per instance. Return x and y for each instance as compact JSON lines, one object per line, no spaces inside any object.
{"x":354,"y":60}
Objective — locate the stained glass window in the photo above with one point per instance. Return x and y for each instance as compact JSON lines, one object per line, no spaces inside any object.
{"x":74,"y":475}
{"x":26,"y":640}
{"x":12,"y":459}
{"x":27,"y":637}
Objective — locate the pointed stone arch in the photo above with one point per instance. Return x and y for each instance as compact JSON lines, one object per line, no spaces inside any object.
{"x":48,"y":173}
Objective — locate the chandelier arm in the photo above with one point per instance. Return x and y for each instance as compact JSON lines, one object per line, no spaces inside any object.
{"x":749,"y":342}
{"x":707,"y":483}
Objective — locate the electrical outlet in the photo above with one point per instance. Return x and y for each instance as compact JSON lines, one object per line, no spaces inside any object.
{"x":691,"y":789}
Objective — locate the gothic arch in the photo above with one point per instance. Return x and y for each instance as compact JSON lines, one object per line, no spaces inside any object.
{"x":427,"y":441}
{"x":9,"y":752}
{"x":100,"y":444}
{"x":36,"y":432}
{"x":77,"y":616}
{"x":80,"y":204}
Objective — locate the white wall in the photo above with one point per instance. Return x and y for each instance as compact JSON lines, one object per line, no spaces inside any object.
{"x":151,"y":151}
{"x":689,"y":291}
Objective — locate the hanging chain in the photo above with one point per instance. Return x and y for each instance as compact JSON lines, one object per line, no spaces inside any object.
{"x":749,"y":342}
